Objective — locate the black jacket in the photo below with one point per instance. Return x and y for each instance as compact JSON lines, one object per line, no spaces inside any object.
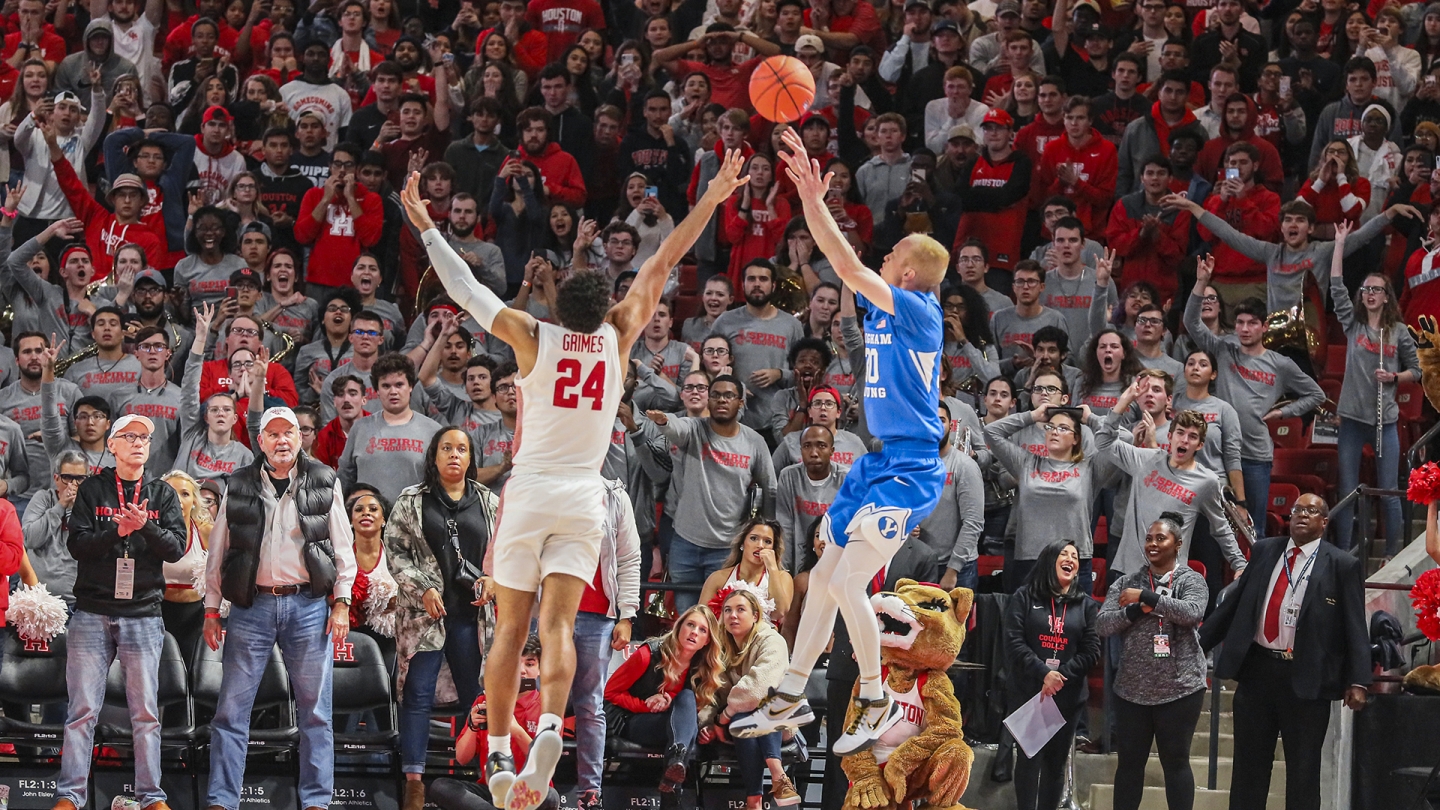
{"x":915,"y":560}
{"x":1029,"y":643}
{"x":665,"y":167}
{"x":313,"y":491}
{"x":1332,"y":648}
{"x":96,"y":544}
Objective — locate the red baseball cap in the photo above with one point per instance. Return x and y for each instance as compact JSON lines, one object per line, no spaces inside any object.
{"x":998,"y":117}
{"x":215,"y":113}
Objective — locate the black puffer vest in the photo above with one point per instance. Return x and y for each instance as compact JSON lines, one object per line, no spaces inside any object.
{"x":313,"y":491}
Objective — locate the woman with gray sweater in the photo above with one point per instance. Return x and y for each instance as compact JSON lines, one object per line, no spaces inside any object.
{"x":1379,"y":354}
{"x":1053,"y":491}
{"x":1160,"y":683}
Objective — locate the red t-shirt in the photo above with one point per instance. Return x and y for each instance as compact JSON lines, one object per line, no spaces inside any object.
{"x":863,"y":22}
{"x":562,"y":21}
{"x":729,"y":84}
{"x":527,"y":714}
{"x":594,"y":600}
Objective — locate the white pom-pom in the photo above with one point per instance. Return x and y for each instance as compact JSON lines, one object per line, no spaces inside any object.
{"x":36,"y":613}
{"x":378,"y":614}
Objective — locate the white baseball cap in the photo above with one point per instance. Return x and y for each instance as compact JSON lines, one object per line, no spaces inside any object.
{"x":281,"y":412}
{"x":131,"y":419}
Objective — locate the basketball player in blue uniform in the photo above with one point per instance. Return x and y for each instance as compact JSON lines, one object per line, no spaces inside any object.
{"x":886,"y":494}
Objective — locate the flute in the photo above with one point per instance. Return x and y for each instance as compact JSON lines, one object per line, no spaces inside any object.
{"x":1380,"y":400}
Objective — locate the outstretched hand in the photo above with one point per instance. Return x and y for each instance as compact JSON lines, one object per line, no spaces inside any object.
{"x":804,"y":172}
{"x":728,"y":178}
{"x":416,"y":208}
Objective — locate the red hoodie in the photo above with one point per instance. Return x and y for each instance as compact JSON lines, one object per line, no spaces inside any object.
{"x":177,"y":42}
{"x":1270,"y":171}
{"x":337,"y":240}
{"x":1255,"y":214}
{"x":560,"y":172}
{"x":1096,"y":166}
{"x":103,"y":235}
{"x":530,"y":53}
{"x":215,"y":377}
{"x":1337,"y":201}
{"x":1148,"y":257}
{"x":1036,"y":135}
{"x":1421,"y":295}
{"x":756,"y":237}
{"x":994,"y":197}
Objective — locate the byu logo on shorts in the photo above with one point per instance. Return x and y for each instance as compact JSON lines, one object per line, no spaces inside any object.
{"x":889,"y":528}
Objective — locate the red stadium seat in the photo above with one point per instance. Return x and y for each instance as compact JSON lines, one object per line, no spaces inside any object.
{"x":1289,"y":433}
{"x":1196,"y":566}
{"x":1331,"y":387}
{"x":1411,"y":399}
{"x":1282,"y":499}
{"x":686,"y":306}
{"x":688,"y":279}
{"x":988,"y":564}
{"x":1335,"y":361}
{"x":1097,"y":572}
{"x":1318,"y":463}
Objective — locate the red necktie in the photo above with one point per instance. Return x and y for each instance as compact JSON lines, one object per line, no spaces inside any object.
{"x":1277,"y":599}
{"x":878,"y":583}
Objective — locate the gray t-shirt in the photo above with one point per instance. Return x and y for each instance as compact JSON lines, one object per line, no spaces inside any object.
{"x":419,"y":400}
{"x":1072,"y":298}
{"x":799,"y":502}
{"x":1221,"y":452}
{"x":1362,"y":358}
{"x":196,"y":454}
{"x":954,"y":528}
{"x":1165,"y":363}
{"x":492,"y":441}
{"x":206,"y":283}
{"x":392,"y":322}
{"x":759,"y":343}
{"x":296,"y":320}
{"x":24,"y":408}
{"x":162,"y":406}
{"x":105,"y":378}
{"x":695,"y":330}
{"x":848,"y":448}
{"x":46,"y":544}
{"x":458,"y":411}
{"x":1009,"y":329}
{"x":1253,"y":384}
{"x":388,"y":457}
{"x":659,"y":392}
{"x":315,"y":355}
{"x":1053,"y":497}
{"x":716,"y":473}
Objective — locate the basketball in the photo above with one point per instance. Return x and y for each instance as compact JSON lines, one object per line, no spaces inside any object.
{"x":781,"y":88}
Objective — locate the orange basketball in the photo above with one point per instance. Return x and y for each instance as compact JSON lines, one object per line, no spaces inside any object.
{"x":781,"y":88}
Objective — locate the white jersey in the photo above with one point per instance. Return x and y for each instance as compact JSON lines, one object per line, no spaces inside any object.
{"x":912,"y":718}
{"x":567,"y":403}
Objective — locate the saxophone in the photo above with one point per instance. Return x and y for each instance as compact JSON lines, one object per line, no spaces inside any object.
{"x":63,"y":364}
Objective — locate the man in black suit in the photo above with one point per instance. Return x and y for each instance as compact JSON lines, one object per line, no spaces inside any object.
{"x":1294,"y":637}
{"x":915,"y":560}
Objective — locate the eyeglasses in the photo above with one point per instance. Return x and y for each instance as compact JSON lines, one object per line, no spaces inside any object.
{"x":340,"y":308}
{"x":244,"y":331}
{"x":304,"y":429}
{"x":91,"y":416}
{"x":1371,"y":290}
{"x":343,"y":164}
{"x":366,"y":333}
{"x":71,"y":478}
{"x":1209,"y":299}
{"x":953,"y":306}
{"x":726,"y":396}
{"x":1049,"y":428}
{"x":619,"y":242}
{"x":1149,"y":322}
{"x":1312,"y":511}
{"x":715,"y":351}
{"x":133,"y":438}
{"x":971,"y":260}
{"x":242,"y":364}
{"x":151,"y":348}
{"x":1045,"y":390}
{"x":694,"y":388}
{"x":505,"y":388}
{"x":824,"y":405}
{"x":1025,"y":282}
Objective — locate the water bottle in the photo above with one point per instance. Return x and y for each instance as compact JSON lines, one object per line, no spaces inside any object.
{"x":124,"y":803}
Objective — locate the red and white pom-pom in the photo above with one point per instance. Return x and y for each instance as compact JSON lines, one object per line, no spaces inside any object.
{"x":1425,"y":597}
{"x":717,"y":602}
{"x":197,"y":570}
{"x":1424,"y":484}
{"x":379,"y":614}
{"x":37,"y":614}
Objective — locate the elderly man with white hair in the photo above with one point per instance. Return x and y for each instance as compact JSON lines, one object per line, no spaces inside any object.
{"x":283,"y":553}
{"x":123,"y":529}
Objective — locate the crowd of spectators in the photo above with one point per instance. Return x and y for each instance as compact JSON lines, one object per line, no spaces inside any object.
{"x":201,"y":222}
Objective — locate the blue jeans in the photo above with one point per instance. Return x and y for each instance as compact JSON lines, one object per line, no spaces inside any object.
{"x":587,"y":695}
{"x":968,"y":576}
{"x":1256,"y":473}
{"x":678,"y":725}
{"x":1353,"y":438}
{"x":94,"y":641}
{"x":751,"y":755}
{"x":462,"y":650}
{"x":298,"y":625}
{"x":691,"y":564}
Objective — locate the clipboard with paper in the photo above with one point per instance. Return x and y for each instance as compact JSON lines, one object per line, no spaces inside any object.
{"x":1033,"y":724}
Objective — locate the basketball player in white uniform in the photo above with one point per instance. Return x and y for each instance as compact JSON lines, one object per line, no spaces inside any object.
{"x":552,"y":510}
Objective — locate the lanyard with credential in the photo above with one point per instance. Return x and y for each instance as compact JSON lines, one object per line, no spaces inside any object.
{"x":1059,"y":630}
{"x":1295,"y":583}
{"x":124,"y":566}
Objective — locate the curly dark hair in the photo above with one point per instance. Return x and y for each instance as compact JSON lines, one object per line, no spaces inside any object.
{"x":392,"y":363}
{"x":582,"y":301}
{"x":1090,"y":374}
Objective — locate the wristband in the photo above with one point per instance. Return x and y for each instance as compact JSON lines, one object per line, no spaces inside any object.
{"x":212,"y":614}
{"x":10,"y":213}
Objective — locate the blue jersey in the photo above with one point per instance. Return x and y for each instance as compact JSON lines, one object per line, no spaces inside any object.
{"x":902,"y":369}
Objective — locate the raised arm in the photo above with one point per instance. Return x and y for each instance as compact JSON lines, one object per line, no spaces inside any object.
{"x":812,"y":186}
{"x":634,"y":313}
{"x":516,"y":328}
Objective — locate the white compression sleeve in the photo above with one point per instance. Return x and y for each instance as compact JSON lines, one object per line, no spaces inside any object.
{"x":474,"y":297}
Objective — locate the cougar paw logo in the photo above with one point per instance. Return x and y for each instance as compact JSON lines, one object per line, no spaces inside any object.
{"x":522,"y":797}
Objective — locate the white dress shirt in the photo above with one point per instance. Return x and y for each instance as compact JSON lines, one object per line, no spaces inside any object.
{"x":282,"y":559}
{"x":1302,"y":568}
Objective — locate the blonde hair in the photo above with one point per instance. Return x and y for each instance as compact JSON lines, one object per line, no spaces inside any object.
{"x":199,"y":514}
{"x":737,"y":651}
{"x":707,"y":668}
{"x":927,"y":258}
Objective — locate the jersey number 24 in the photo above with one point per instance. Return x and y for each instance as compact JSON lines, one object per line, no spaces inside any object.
{"x":593,"y":388}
